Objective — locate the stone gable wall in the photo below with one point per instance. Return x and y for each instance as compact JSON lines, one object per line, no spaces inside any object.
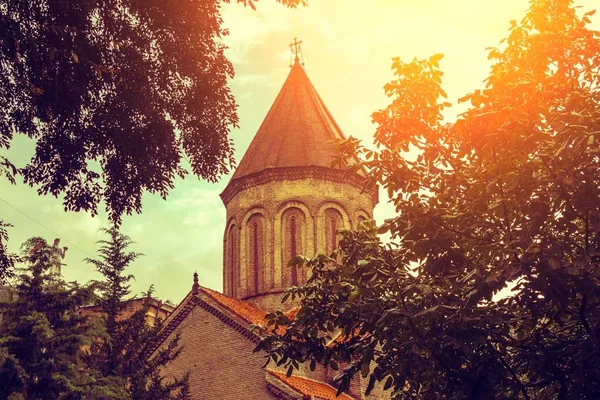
{"x":219,"y":359}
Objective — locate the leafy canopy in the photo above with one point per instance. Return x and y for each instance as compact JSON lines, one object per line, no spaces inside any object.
{"x":508,"y":195}
{"x":125,"y":349}
{"x":52,"y":346}
{"x":7,"y":260}
{"x":43,"y":335}
{"x":115,"y":96}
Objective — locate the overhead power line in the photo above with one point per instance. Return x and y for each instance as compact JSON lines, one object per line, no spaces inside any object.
{"x":45,"y":227}
{"x":70,"y":242}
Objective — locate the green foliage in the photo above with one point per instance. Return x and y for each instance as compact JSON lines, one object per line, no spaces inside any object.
{"x":48,"y":350}
{"x":506,"y":197}
{"x":115,"y":95}
{"x":124,"y":350}
{"x":7,"y":260}
{"x":113,"y":291}
{"x":42,"y":335}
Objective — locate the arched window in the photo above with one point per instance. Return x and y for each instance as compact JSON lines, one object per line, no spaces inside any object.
{"x":333,"y":222}
{"x":293,"y":224}
{"x":293,"y":249}
{"x":232,"y":261}
{"x":256,"y":253}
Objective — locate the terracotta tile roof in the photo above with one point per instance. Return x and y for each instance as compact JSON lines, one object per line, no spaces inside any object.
{"x":319,"y":390}
{"x":298,"y":130}
{"x":247,"y":311}
{"x":292,"y":312}
{"x":254,"y":315}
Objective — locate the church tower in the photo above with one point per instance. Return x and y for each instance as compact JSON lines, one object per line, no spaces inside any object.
{"x":285,"y":198}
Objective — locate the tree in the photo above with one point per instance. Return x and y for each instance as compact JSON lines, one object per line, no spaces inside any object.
{"x":124,"y":350}
{"x":42,"y":336}
{"x":7,"y":260}
{"x":115,"y":94}
{"x":505,"y":197}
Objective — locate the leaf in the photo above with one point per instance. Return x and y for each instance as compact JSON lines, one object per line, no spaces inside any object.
{"x":362,"y":263}
{"x":267,"y":361}
{"x":464,"y":99}
{"x":388,"y":383}
{"x":553,"y":264}
{"x":371,"y":385}
{"x":495,"y":204}
{"x":344,"y":385}
{"x":534,"y":249}
{"x":364,"y":369}
{"x":425,"y":289}
{"x":416,"y":349}
{"x":512,"y":185}
{"x":297,"y":260}
{"x":383,"y":229}
{"x":290,"y":370}
{"x":426,"y":311}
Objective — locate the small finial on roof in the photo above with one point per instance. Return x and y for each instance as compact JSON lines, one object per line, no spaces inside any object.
{"x":296,"y":47}
{"x":195,"y":286}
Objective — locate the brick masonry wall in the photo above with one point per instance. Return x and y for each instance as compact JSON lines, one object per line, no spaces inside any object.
{"x":219,"y":359}
{"x":222,"y":365}
{"x":312,"y":197}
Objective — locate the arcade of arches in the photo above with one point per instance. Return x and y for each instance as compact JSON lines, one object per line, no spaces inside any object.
{"x":260,"y":243}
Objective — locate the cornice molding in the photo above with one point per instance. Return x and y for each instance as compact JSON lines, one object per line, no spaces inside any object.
{"x":254,"y":296}
{"x":295,"y":173}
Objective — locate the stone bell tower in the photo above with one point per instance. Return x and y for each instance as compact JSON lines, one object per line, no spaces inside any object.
{"x":285,"y":198}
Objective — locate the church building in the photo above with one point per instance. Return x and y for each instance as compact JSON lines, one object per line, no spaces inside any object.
{"x":285,"y":198}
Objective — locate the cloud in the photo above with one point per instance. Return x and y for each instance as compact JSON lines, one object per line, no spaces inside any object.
{"x":249,"y":28}
{"x":248,"y":79}
{"x":347,"y":49}
{"x":176,"y":236}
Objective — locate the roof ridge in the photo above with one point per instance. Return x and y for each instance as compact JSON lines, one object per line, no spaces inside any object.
{"x":324,"y":110}
{"x":189,"y":302}
{"x":314,"y":391}
{"x":173,"y":321}
{"x":216,"y":297}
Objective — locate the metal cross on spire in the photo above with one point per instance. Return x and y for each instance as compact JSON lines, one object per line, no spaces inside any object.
{"x":296,"y":47}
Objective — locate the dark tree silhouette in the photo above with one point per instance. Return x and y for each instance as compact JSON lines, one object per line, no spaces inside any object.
{"x":43,"y":336}
{"x":7,"y":259}
{"x":507,"y":196}
{"x":124,"y":351}
{"x":115,"y":94}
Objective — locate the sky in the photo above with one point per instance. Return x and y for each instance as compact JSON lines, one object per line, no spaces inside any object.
{"x":347,"y":50}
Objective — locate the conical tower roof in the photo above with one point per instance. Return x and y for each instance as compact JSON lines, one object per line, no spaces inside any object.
{"x":298,"y":131}
{"x":285,"y":198}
